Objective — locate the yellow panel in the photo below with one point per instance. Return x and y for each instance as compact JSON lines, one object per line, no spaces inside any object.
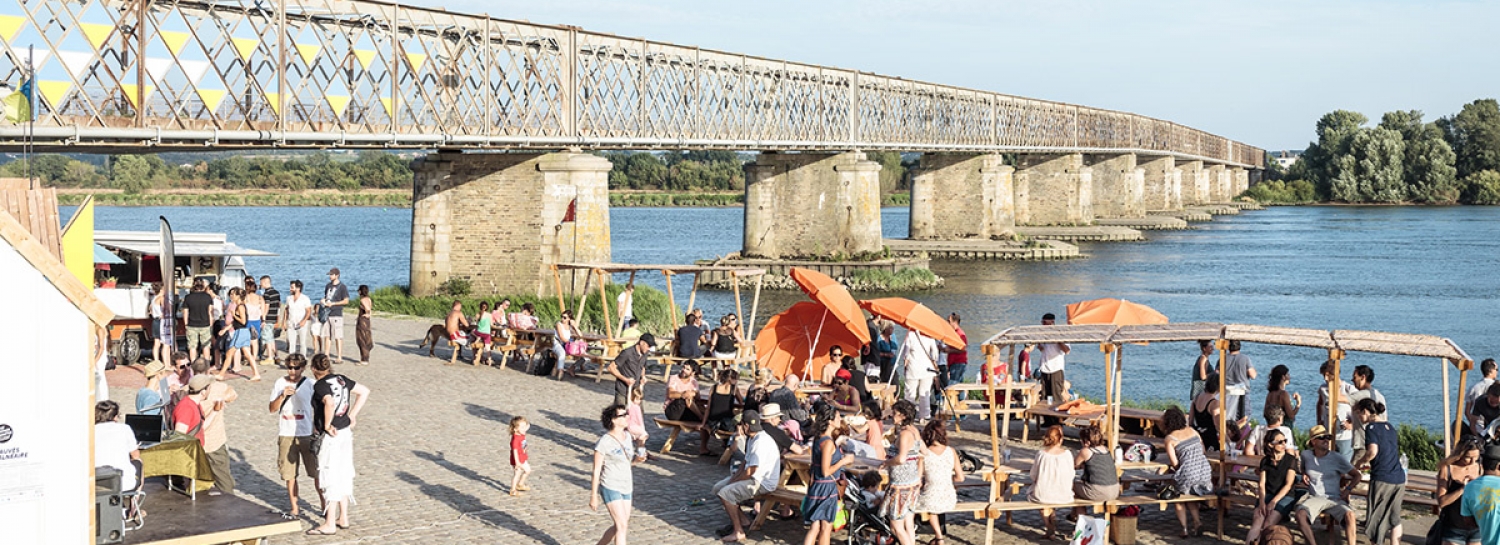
{"x":246,"y":46}
{"x":365,"y":56}
{"x":211,"y":98}
{"x":275,"y":100}
{"x":309,"y":52}
{"x":96,"y":33}
{"x":390,"y":107}
{"x":416,"y":60}
{"x":9,"y":26}
{"x":174,"y":40}
{"x":54,"y":91}
{"x":78,"y":244}
{"x":338,"y":103}
{"x":131,"y":90}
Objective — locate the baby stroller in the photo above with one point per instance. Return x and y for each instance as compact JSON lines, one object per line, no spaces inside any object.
{"x":866,"y":526}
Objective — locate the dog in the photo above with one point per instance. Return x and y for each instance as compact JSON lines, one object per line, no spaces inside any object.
{"x":439,"y":334}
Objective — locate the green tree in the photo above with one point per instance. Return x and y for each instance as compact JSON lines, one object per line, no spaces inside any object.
{"x":1482,"y":187}
{"x":1327,"y":158}
{"x":1371,"y":170}
{"x":892,"y":172}
{"x":132,"y":174}
{"x":1474,"y":135}
{"x":1430,"y":176}
{"x":645,"y":171}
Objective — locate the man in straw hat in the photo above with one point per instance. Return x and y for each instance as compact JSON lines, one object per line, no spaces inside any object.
{"x":1329,"y":478}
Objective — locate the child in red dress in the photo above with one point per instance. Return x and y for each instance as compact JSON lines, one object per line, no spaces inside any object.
{"x":518,"y":459}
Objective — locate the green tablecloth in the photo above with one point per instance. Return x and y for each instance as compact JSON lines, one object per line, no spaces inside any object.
{"x":184,"y":458}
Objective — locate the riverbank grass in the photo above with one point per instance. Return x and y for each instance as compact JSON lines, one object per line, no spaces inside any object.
{"x":650,"y":307}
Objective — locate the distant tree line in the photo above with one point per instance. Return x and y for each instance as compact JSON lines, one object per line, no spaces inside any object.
{"x":1455,"y":159}
{"x":135,"y":174}
{"x":714,"y":170}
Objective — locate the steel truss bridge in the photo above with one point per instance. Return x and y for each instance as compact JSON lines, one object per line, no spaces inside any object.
{"x":139,"y":75}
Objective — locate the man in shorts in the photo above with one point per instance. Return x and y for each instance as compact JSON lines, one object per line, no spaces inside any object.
{"x":335,"y":297}
{"x":270,"y":324}
{"x":759,"y":475}
{"x":457,"y":325}
{"x":291,"y":401}
{"x":1329,"y":478}
{"x":197,"y":313}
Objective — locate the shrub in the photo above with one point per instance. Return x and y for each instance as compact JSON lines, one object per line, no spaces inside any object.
{"x":1420,"y":445}
{"x":456,"y":287}
{"x":651,"y":306}
{"x":1482,"y":187}
{"x":1283,"y":192}
{"x":883,"y":280}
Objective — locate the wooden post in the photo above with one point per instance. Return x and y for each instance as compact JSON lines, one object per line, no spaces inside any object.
{"x":1119,"y":378}
{"x":671,"y":299}
{"x":739,"y":310}
{"x":1223,"y":399}
{"x":1463,"y":378}
{"x":604,"y":301}
{"x":1447,"y":416}
{"x":1336,"y":356}
{"x":630,"y":282}
{"x":1109,"y":383}
{"x":562,"y":303}
{"x":991,"y":353}
{"x":694,"y":295}
{"x":754,"y":307}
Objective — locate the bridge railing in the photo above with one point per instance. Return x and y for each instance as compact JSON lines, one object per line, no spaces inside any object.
{"x":367,"y":73}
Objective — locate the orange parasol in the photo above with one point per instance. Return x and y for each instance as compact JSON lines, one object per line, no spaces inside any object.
{"x":914,"y":316}
{"x":1113,"y":311}
{"x":792,"y":338}
{"x":836,"y":299}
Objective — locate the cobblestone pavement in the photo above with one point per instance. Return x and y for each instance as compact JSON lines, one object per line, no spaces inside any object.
{"x":432,"y":447}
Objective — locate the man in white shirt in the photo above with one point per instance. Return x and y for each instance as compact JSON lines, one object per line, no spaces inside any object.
{"x":921,"y":368}
{"x":1488,"y":369}
{"x":625,"y":305}
{"x":1052,"y":356}
{"x":291,"y":401}
{"x":296,"y":319}
{"x":758,"y":476}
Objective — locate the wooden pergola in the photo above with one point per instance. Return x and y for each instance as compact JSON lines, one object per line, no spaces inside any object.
{"x":603,"y":270}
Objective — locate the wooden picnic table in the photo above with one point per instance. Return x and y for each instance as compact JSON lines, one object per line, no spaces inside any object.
{"x":960,"y":406}
{"x":1042,"y":410}
{"x":1149,"y":418}
{"x":713,"y":363}
{"x":800,"y":465}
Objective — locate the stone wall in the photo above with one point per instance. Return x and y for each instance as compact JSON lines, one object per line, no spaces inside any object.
{"x":811,"y":204}
{"x":1219,"y":184}
{"x":1241,"y":179}
{"x":1119,"y":186}
{"x":495,"y":219}
{"x":1053,"y":190}
{"x":1161,"y":183}
{"x":955,"y":196}
{"x":1195,"y":191}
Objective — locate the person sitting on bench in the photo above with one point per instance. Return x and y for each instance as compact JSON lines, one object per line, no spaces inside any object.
{"x":1052,"y":476}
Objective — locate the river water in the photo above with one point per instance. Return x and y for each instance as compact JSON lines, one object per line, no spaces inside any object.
{"x":1419,"y":270}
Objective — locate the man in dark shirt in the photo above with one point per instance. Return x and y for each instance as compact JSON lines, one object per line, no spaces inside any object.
{"x":1486,"y":410}
{"x":689,"y":338}
{"x":629,"y":367}
{"x":335,"y":296}
{"x":196,"y":312}
{"x":268,"y":329}
{"x":785,"y":398}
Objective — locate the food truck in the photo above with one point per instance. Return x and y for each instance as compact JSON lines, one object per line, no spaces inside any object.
{"x":209,"y":256}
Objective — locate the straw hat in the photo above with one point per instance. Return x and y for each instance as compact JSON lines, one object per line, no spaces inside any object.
{"x":770,"y":410}
{"x":155,"y":368}
{"x":1318,"y":431}
{"x":857,"y":422}
{"x":200,"y":382}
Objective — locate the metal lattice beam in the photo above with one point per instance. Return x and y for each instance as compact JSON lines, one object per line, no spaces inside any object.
{"x":340,"y":73}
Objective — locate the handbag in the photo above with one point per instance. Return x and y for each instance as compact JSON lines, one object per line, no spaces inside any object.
{"x":322,"y":314}
{"x":316,"y":444}
{"x":576,"y":347}
{"x":1168,"y":492}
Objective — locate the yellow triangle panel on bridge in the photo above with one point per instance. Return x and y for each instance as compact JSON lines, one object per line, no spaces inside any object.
{"x":131,"y":90}
{"x":365,"y":56}
{"x":338,"y":102}
{"x":245,"y":46}
{"x":54,"y":91}
{"x":211,"y":98}
{"x":174,"y":40}
{"x":96,"y":33}
{"x":416,"y":60}
{"x":308,"y":52}
{"x":275,"y":100}
{"x":390,"y":106}
{"x":9,"y":26}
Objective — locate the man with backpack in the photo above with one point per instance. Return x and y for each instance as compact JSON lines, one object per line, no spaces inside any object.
{"x":291,"y":401}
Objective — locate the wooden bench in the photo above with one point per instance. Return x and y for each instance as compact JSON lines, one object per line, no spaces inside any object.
{"x":770,"y":501}
{"x":678,"y":426}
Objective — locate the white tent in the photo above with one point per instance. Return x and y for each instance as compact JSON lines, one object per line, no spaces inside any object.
{"x":49,"y":330}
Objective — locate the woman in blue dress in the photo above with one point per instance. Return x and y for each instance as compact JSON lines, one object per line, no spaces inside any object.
{"x":821,"y":505}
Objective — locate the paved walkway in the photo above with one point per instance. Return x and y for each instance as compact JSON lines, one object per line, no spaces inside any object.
{"x":432,"y":447}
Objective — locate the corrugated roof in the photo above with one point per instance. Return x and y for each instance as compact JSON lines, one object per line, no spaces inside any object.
{"x":1168,"y":332}
{"x":1289,"y":336}
{"x":1035,"y":334}
{"x":1407,"y":344}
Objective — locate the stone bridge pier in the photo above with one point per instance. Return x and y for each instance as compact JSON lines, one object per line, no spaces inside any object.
{"x":1162,"y":182}
{"x":1195,"y":183}
{"x":1241,"y":181}
{"x":497,"y":219}
{"x":811,"y":204}
{"x":1219,"y":184}
{"x":1118,"y":185}
{"x":1054,"y":189}
{"x":957,"y":196}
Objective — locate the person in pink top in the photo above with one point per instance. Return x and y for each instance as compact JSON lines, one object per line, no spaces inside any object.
{"x":635,"y":422}
{"x":519,"y":461}
{"x":958,"y":358}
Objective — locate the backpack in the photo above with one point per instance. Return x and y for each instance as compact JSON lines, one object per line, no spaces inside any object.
{"x":968,"y":462}
{"x":1277,"y":535}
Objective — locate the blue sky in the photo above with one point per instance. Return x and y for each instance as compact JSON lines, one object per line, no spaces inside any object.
{"x":1261,"y":72}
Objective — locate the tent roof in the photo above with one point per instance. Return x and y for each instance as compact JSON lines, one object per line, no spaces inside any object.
{"x":104,"y":256}
{"x":1289,"y":336}
{"x":1035,"y":334}
{"x":1167,"y":332}
{"x":1407,"y":344}
{"x":186,"y":244}
{"x":674,"y":269}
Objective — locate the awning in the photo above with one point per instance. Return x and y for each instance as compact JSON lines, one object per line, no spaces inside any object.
{"x":187,"y":244}
{"x":102,"y":256}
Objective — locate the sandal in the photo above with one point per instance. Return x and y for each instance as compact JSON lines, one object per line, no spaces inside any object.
{"x":319,"y":532}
